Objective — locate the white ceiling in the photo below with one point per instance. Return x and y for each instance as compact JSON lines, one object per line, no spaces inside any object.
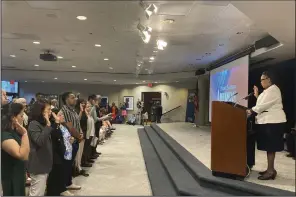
{"x":199,"y":28}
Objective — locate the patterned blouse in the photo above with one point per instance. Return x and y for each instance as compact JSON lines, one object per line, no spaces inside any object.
{"x":68,"y":145}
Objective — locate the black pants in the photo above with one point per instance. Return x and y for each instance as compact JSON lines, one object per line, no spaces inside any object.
{"x":86,"y":151}
{"x":56,"y":180}
{"x":75,"y":147}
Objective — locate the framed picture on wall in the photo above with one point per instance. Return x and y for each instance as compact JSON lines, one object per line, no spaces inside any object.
{"x":129,"y":102}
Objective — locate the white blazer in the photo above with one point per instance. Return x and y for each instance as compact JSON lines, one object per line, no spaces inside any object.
{"x":269,"y":107}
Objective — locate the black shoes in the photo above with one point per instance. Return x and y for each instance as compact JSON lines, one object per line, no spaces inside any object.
{"x":83,"y":173}
{"x":267,"y":175}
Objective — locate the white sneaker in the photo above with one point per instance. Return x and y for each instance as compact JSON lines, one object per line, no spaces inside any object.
{"x":66,"y":193}
{"x":74,"y":187}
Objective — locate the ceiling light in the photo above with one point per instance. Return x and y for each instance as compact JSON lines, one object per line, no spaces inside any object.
{"x":146,"y":68}
{"x":150,"y":10}
{"x":25,"y":81}
{"x":177,"y":81}
{"x":145,"y":32}
{"x":36,"y":65}
{"x":59,"y":57}
{"x":114,"y":80}
{"x":152,"y":58}
{"x":98,"y":45}
{"x":110,"y":68}
{"x":82,"y":18}
{"x":56,"y":78}
{"x":106,"y":59}
{"x":137,"y":83}
{"x":85,"y":79}
{"x":161,"y":44}
{"x":144,"y":81}
{"x":12,"y":56}
{"x":169,"y":21}
{"x":36,"y":42}
{"x":150,"y":61}
{"x":156,"y":82}
{"x":73,"y":66}
{"x":155,"y":51}
{"x":42,"y":81}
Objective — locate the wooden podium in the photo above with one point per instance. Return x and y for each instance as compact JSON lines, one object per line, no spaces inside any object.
{"x":228,"y":140}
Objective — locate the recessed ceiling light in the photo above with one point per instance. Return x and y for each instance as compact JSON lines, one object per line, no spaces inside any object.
{"x":156,"y":82}
{"x":155,"y":51}
{"x":42,"y":81}
{"x":177,"y":81}
{"x":114,"y":80}
{"x":36,"y":65}
{"x":36,"y":42}
{"x":56,"y":78}
{"x":59,"y":57}
{"x":68,"y":82}
{"x":150,"y":61}
{"x":73,"y":66}
{"x":170,"y":21}
{"x":110,"y":68}
{"x":137,"y":83}
{"x":85,"y":79}
{"x":98,"y":45}
{"x":25,"y":81}
{"x":82,"y":18}
{"x":144,"y":81}
{"x":106,"y":59}
{"x":152,"y":58}
{"x":12,"y":56}
{"x":146,"y":68}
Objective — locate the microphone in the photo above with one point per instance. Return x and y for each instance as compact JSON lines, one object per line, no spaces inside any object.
{"x":232,"y":96}
{"x":251,"y":94}
{"x":245,"y":98}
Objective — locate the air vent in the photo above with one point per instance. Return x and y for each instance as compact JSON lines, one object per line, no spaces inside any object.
{"x":254,"y":63}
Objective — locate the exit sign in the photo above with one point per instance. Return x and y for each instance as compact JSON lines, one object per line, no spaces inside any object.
{"x":150,"y":85}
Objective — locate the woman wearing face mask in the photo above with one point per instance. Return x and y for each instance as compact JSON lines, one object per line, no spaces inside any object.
{"x":41,"y":156}
{"x":15,"y":150}
{"x":271,"y":119}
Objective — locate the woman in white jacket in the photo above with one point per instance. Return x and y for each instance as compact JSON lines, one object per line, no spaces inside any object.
{"x":271,"y":119}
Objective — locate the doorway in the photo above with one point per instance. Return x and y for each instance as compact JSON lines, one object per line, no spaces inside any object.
{"x":149,"y":98}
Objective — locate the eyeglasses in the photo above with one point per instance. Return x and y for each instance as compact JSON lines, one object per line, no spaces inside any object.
{"x":264,"y":79}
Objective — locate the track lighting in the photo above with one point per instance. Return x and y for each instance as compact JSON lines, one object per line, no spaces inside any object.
{"x":161,"y":44}
{"x":149,"y":9}
{"x":145,"y":32}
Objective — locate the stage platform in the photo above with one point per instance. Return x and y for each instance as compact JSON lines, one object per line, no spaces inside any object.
{"x":197,"y":140}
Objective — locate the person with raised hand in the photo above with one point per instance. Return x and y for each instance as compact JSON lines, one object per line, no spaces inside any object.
{"x":15,"y":150}
{"x":41,"y":155}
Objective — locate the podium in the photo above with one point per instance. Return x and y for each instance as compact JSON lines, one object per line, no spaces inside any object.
{"x":229,"y":141}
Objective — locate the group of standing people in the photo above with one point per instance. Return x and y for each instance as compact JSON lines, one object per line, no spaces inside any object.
{"x":49,"y":142}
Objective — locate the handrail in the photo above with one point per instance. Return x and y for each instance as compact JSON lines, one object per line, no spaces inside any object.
{"x":171,"y":110}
